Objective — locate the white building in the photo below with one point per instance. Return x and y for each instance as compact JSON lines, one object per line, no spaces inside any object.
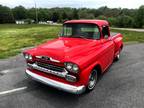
{"x":20,"y":22}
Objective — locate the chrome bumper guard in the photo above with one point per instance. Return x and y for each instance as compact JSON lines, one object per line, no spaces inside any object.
{"x":56,"y":84}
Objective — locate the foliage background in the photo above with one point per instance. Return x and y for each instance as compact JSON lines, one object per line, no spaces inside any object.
{"x":117,"y":17}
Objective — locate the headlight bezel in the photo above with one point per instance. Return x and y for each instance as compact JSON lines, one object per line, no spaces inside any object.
{"x":70,"y":67}
{"x":28,"y":56}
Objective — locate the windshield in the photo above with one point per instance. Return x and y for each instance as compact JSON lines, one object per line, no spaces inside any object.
{"x":89,"y":31}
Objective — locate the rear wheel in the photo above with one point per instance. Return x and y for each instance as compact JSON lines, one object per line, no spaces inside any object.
{"x":92,"y":80}
{"x":117,"y":57}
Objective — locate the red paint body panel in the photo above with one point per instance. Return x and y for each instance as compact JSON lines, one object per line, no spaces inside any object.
{"x":97,"y":22}
{"x":86,"y":53}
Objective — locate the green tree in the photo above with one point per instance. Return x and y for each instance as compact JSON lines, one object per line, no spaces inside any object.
{"x":6,"y":15}
{"x":102,"y":17}
{"x":75,"y":14}
{"x":85,"y":14}
{"x":64,"y":15}
{"x":31,"y":14}
{"x":43,"y":14}
{"x":112,"y":21}
{"x":116,"y":16}
{"x":55,"y":16}
{"x":140,"y":17}
{"x":124,"y":21}
{"x":19,"y":13}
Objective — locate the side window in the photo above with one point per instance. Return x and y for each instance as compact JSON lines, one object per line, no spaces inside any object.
{"x":67,"y":31}
{"x":105,"y":31}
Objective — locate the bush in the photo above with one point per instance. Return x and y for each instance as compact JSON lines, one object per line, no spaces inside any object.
{"x":102,"y":17}
{"x":112,"y":21}
{"x":124,"y":21}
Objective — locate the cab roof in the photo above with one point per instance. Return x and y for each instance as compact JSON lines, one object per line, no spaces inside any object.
{"x":97,"y":22}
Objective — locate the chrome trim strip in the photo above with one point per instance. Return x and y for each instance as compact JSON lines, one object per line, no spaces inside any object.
{"x":39,"y":57}
{"x":60,"y":74}
{"x":54,"y":60}
{"x":51,"y":59}
{"x":56,"y":84}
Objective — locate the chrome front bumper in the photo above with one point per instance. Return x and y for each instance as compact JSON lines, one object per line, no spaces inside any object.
{"x":60,"y":74}
{"x":56,"y":84}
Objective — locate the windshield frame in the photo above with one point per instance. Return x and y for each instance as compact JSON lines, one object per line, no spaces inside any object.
{"x":62,"y":31}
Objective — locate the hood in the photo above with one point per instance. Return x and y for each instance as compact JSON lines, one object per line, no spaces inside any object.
{"x":64,"y":48}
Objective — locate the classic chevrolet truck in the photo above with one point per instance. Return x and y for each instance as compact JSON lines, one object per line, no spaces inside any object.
{"x":77,"y":58}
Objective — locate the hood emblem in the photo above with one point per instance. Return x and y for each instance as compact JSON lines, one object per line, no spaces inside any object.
{"x":46,"y":58}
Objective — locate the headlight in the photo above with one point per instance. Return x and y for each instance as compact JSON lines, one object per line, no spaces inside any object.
{"x":71,"y":67}
{"x":28,"y":56}
{"x":75,"y":68}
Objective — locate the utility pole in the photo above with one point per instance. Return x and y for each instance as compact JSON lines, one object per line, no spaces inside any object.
{"x":36,"y":12}
{"x":12,"y":15}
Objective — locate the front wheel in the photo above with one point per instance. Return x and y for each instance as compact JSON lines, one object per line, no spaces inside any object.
{"x":92,"y":80}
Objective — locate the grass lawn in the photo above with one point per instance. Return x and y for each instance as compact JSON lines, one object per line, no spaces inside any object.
{"x":15,"y":37}
{"x":131,"y":36}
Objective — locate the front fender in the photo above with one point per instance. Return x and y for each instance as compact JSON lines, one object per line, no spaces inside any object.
{"x":84,"y":75}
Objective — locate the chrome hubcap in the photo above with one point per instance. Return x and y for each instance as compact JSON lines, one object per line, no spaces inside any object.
{"x":118,"y":56}
{"x":92,"y":80}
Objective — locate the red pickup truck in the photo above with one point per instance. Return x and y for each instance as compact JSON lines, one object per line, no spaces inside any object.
{"x":75,"y":60}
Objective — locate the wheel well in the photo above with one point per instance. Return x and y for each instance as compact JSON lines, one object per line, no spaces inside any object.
{"x":121,"y":46}
{"x":99,"y":70}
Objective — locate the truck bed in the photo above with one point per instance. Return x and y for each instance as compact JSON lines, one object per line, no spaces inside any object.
{"x":113,"y":34}
{"x":117,"y":38}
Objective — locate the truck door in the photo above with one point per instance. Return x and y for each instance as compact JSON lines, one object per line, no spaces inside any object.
{"x":107,"y":48}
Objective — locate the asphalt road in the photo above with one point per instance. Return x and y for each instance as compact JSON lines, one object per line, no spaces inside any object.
{"x":122,"y":86}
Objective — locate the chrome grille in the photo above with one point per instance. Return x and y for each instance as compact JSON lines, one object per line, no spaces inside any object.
{"x":50,"y":67}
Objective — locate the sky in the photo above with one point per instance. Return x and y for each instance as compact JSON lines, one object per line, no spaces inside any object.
{"x":131,"y":4}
